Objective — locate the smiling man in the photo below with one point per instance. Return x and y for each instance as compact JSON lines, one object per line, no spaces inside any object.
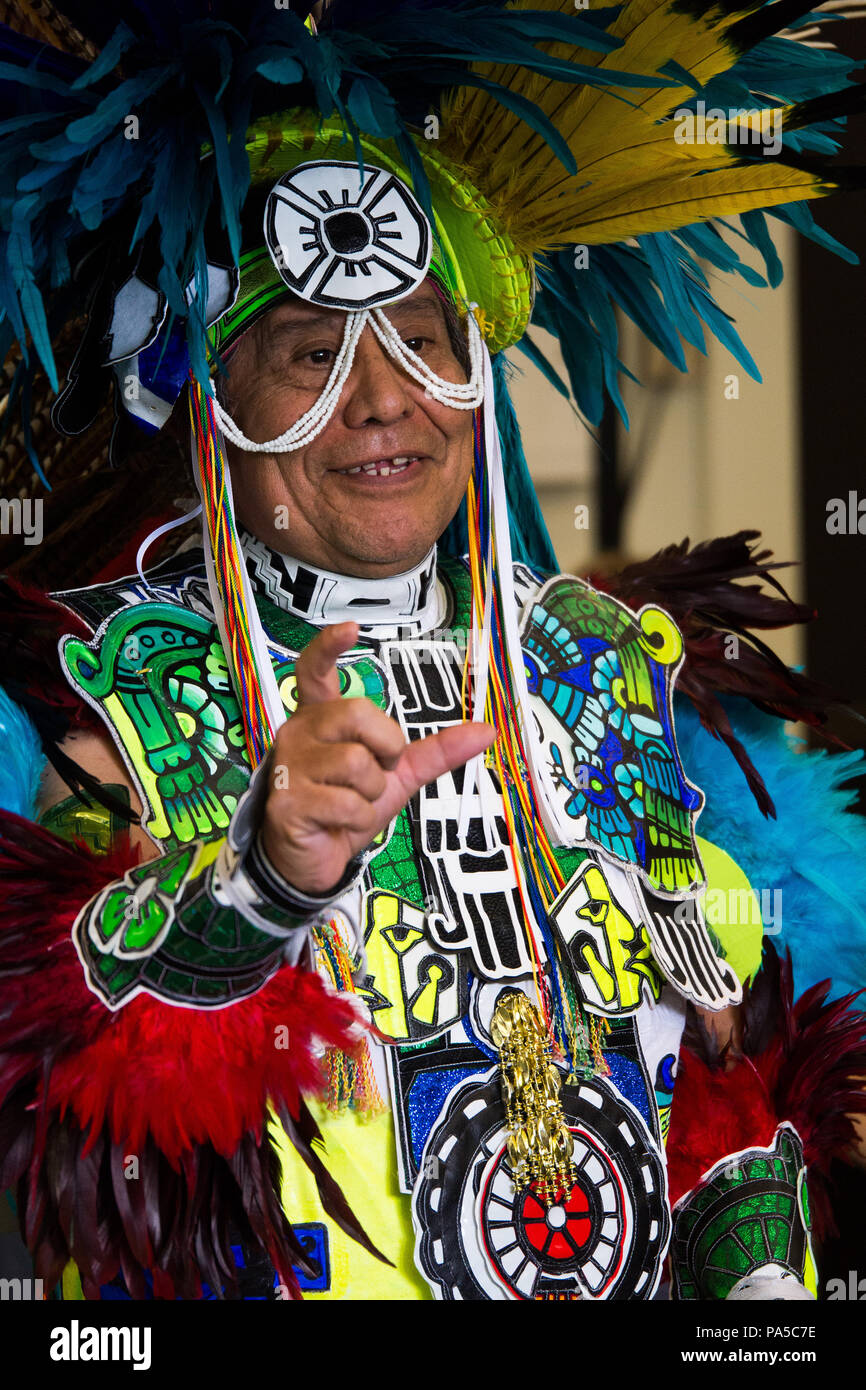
{"x":362,"y":849}
{"x":384,"y":995}
{"x":380,"y":485}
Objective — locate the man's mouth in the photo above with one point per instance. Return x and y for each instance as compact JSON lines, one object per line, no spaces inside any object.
{"x":381,"y":468}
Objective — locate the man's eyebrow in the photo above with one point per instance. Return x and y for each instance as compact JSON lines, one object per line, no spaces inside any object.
{"x":403,"y":307}
{"x":303,"y":317}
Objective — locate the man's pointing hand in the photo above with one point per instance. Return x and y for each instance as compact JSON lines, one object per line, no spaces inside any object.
{"x":350,"y":770}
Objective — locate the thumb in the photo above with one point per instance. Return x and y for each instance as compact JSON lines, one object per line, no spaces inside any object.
{"x":316,"y":668}
{"x":425,"y":759}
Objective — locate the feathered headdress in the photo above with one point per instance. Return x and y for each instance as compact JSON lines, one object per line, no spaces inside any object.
{"x":137,"y":155}
{"x":131,"y":148}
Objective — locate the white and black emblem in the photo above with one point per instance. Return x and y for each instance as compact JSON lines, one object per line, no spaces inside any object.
{"x":345,"y":239}
{"x":478,"y":1238}
{"x":471,"y":884}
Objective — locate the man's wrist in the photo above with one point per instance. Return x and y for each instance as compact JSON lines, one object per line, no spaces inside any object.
{"x":276,"y":889}
{"x":251,"y":879}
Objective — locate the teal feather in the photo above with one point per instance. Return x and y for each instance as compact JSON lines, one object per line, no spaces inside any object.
{"x":530,"y":349}
{"x":23,"y":761}
{"x":814,"y":852}
{"x":122,"y":39}
{"x":706,"y":241}
{"x":757,"y":231}
{"x":660,"y":284}
{"x":799,"y":216}
{"x":200,"y":71}
{"x":530,"y":539}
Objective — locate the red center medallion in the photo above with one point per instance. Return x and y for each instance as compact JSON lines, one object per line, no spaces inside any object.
{"x":560,"y":1232}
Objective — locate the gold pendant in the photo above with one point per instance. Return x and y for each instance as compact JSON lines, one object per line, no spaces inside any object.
{"x":540,"y":1144}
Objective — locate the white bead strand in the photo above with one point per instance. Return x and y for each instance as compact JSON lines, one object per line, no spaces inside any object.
{"x":315,"y":419}
{"x":457,"y":395}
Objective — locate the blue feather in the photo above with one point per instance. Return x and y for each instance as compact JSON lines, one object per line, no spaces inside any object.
{"x":23,"y":761}
{"x":755,"y":227}
{"x":530,"y":539}
{"x":198,"y":71}
{"x":815,"y":850}
{"x":530,"y":348}
{"x":799,"y":216}
{"x":112,"y":52}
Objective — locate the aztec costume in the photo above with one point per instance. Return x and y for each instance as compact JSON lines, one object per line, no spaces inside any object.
{"x":528,"y":933}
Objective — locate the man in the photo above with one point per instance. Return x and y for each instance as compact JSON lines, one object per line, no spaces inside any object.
{"x":522,"y":924}
{"x":366,"y":503}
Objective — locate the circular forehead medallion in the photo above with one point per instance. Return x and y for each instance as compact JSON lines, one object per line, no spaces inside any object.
{"x":345,"y":239}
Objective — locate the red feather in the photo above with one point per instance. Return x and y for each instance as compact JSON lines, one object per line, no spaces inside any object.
{"x":802,"y":1062}
{"x":184,"y":1090}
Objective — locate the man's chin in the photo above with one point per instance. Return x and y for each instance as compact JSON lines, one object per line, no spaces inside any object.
{"x":378,"y":552}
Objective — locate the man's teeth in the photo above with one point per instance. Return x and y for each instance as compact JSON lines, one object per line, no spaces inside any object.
{"x":384,"y":468}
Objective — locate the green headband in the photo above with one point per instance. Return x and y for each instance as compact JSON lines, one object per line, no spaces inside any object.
{"x":262,"y":287}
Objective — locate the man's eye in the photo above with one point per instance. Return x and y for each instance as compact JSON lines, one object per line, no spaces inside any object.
{"x":320,"y":357}
{"x":415,"y":345}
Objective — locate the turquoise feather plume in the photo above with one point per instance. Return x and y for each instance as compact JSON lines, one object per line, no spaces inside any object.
{"x":23,"y":760}
{"x":659,"y":283}
{"x":814,"y":852}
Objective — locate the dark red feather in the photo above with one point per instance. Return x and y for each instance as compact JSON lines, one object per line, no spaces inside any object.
{"x":701,"y":588}
{"x":183,"y":1091}
{"x":803,"y":1062}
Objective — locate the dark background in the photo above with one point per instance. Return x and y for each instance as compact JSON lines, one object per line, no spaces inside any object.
{"x":832,"y":297}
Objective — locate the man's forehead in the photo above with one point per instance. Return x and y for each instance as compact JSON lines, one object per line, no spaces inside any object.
{"x":293,"y":310}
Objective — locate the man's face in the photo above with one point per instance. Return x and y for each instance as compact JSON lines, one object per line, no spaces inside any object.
{"x":352,"y":522}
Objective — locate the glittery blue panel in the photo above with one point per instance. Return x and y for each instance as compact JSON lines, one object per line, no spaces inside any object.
{"x":426,"y":1098}
{"x":313,"y":1237}
{"x":314,"y":1240}
{"x":629,"y":1081}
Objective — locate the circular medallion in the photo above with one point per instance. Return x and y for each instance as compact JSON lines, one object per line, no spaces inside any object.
{"x":344,"y":239}
{"x":481,"y":1239}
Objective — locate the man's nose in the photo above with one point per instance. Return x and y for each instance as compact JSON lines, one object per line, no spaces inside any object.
{"x":377,"y":391}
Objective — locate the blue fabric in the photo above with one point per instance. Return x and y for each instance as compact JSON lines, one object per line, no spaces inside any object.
{"x":815,"y":849}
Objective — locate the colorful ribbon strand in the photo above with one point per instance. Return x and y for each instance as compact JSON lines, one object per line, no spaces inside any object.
{"x":578,"y":1041}
{"x":228,"y":566}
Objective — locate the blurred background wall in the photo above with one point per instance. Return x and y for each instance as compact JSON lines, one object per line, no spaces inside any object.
{"x":714,"y":452}
{"x":706,"y":454}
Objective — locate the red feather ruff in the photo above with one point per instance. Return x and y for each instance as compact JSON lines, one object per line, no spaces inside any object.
{"x":185,"y":1090}
{"x":714,"y":1113}
{"x":802,"y":1062}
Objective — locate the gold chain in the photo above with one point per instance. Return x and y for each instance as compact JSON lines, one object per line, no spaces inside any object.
{"x":540,"y":1144}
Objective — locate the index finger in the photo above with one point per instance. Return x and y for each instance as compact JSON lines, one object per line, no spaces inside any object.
{"x":316,"y":668}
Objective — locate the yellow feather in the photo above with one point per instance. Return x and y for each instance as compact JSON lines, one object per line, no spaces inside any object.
{"x":632,"y":176}
{"x":664,"y":205}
